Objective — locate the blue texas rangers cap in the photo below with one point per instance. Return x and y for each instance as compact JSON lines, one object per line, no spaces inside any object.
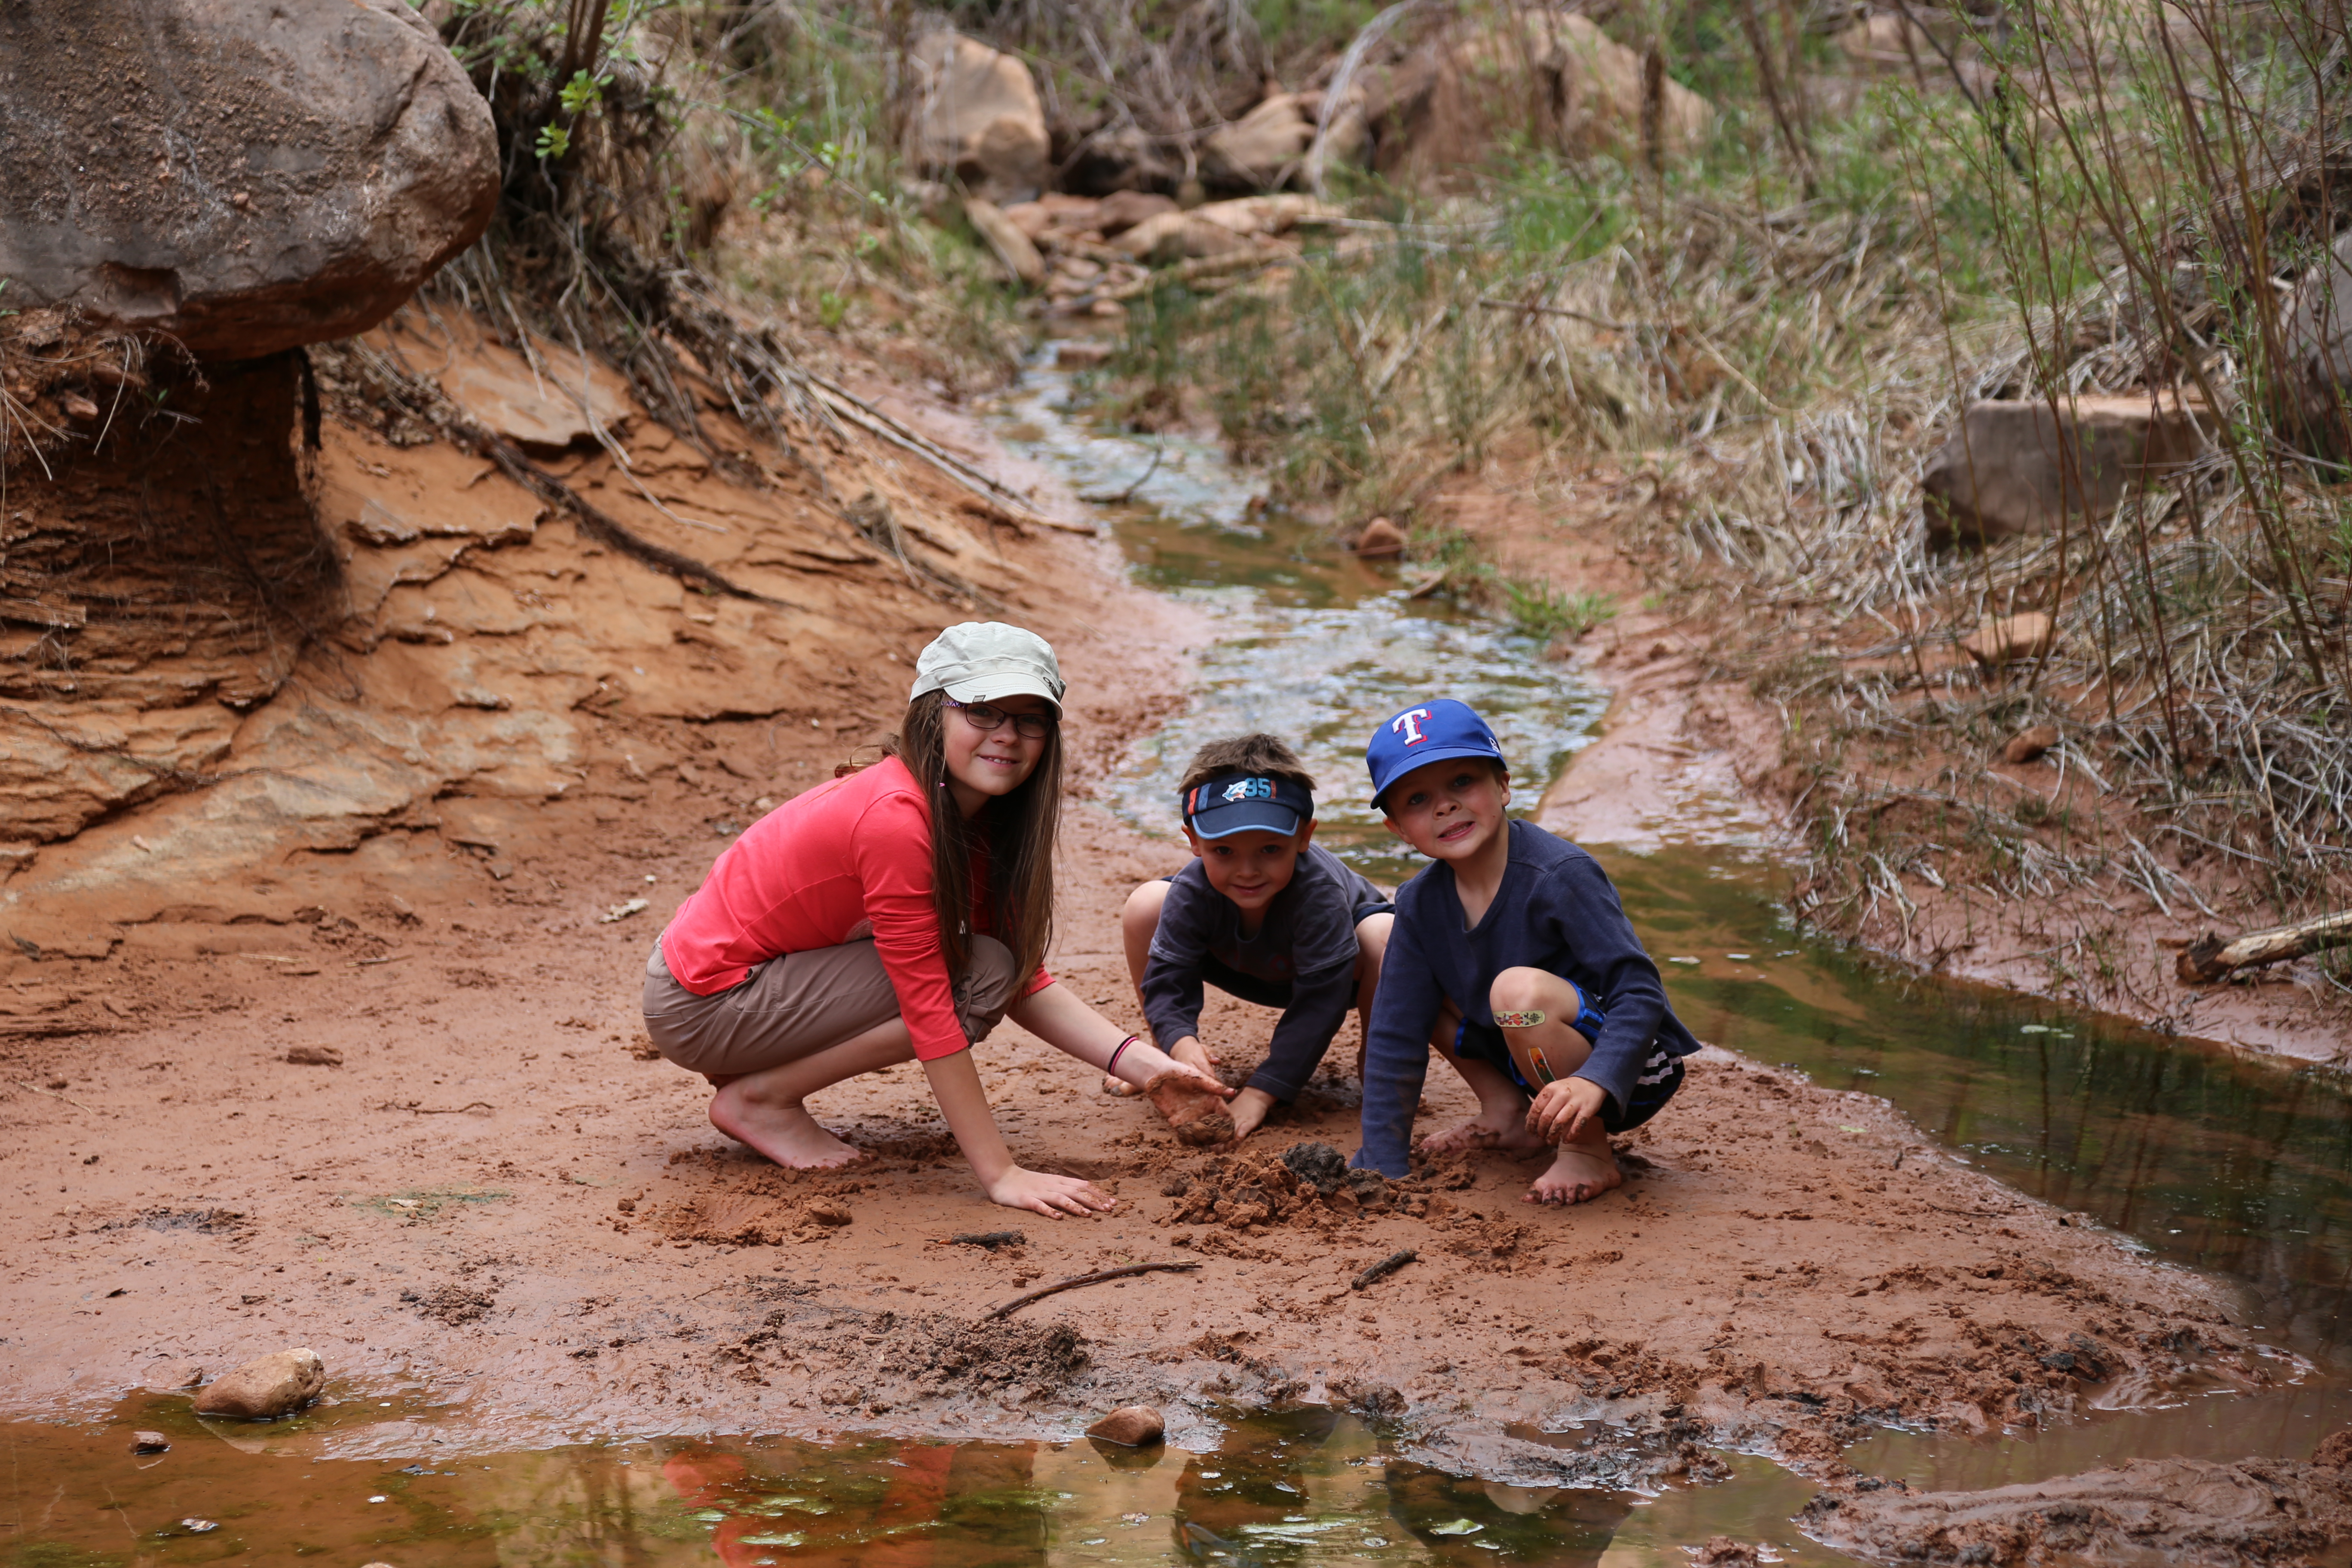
{"x":1242,"y":802}
{"x":1429,"y":732}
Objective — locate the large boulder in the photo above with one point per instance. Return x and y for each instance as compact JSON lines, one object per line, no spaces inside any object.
{"x":2007,"y":471}
{"x":1550,"y":77}
{"x":243,"y":178}
{"x":1265,"y":148}
{"x":977,"y":117}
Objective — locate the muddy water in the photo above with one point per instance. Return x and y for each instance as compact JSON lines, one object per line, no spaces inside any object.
{"x":2201,"y":1159}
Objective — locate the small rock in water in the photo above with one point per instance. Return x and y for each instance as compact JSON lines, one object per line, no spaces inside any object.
{"x":1381,"y":540}
{"x":149,"y":1443}
{"x":1082,"y":354}
{"x":1131,"y":1426}
{"x":266,"y":1389}
{"x":199,"y":1526}
{"x":2027,"y":746}
{"x":1722,"y":1551}
{"x":314,"y":1056}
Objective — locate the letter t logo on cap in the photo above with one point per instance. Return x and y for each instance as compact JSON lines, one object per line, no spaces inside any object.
{"x":1408,"y":724}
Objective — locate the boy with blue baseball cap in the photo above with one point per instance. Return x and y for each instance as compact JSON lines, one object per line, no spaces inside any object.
{"x":1511,"y":957}
{"x":1260,"y":913}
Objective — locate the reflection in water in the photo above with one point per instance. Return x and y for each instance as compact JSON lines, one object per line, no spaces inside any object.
{"x":2204,"y":1157}
{"x":1302,"y":1488}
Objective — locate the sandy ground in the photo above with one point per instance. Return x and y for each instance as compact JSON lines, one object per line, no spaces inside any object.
{"x":499,"y":1213}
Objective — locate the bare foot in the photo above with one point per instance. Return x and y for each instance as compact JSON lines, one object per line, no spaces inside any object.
{"x":1494,"y":1129}
{"x":1118,"y":1087}
{"x":1194,"y":1111}
{"x":1578,"y":1177}
{"x":787,"y":1134}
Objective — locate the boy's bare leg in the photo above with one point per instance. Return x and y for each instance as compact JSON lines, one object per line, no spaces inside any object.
{"x":1585,"y":1166}
{"x":765,"y":1109}
{"x":1502,"y":1118}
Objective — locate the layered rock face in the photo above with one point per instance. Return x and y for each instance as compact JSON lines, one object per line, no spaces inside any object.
{"x":240,"y":178}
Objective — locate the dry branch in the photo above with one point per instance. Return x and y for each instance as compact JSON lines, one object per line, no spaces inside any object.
{"x":2208,"y":958}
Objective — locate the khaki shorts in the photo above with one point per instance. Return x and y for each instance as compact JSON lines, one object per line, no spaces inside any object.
{"x":799,"y":1004}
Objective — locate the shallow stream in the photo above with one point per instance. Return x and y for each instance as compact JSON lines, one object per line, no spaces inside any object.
{"x":2203,"y":1159}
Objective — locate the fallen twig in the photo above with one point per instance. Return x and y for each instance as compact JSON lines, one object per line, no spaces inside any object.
{"x":78,"y":1105}
{"x":1384,"y":1267}
{"x":1119,"y":498}
{"x":1096,"y":1278}
{"x":2208,"y":958}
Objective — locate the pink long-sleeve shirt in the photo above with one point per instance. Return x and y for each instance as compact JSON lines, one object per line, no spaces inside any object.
{"x":850,"y":858}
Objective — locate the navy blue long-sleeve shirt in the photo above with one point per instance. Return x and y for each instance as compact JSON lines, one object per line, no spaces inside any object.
{"x":1555,"y":911}
{"x":1302,"y":959}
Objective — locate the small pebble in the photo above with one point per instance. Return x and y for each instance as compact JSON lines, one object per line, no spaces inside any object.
{"x":149,"y":1443}
{"x":379,"y":1497}
{"x":199,"y":1526}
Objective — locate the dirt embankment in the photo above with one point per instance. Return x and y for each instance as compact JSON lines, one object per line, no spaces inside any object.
{"x":1689,"y":750}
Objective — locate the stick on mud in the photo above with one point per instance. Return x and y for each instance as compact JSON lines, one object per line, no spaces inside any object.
{"x":1384,"y":1267}
{"x":2208,"y":958}
{"x":1096,"y":1278}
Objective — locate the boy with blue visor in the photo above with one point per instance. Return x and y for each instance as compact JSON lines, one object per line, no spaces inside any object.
{"x":1262,"y":913}
{"x":1511,"y":957}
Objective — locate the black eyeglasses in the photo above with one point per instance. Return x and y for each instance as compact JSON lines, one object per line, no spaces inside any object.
{"x":981,"y":715}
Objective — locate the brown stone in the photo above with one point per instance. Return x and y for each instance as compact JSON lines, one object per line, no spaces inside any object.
{"x":314,"y":1056}
{"x":1381,"y":540}
{"x":363,"y":156}
{"x":2005,"y":472}
{"x":264,"y":1389}
{"x":1122,"y":210}
{"x":149,"y":1443}
{"x":1264,"y":148}
{"x":2010,"y":639}
{"x":1014,"y":251}
{"x":977,"y":117}
{"x":546,"y":409}
{"x":1131,"y":1426}
{"x":1438,"y":115}
{"x":2027,"y":746}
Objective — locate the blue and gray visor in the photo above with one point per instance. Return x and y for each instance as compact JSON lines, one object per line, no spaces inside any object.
{"x":1246,"y":802}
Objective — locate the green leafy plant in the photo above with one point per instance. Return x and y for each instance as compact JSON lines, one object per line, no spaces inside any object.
{"x":1541,"y":610}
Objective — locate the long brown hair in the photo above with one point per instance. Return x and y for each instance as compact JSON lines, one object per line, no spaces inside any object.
{"x":1020,"y":830}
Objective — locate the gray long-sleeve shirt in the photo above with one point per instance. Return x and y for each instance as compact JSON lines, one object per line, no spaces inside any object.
{"x":1302,"y":959}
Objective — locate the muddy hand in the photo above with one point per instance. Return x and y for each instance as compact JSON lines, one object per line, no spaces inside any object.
{"x":1565,"y":1108}
{"x":1194,"y":1105}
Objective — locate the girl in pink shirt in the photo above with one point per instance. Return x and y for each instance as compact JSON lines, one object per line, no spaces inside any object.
{"x":899,"y":912}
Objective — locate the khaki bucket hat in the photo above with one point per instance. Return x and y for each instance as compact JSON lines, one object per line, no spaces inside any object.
{"x":987,"y":661}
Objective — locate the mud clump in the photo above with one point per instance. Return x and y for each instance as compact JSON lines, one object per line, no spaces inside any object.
{"x":1196,"y":1116}
{"x":452,"y":1304}
{"x":2178,"y":1511}
{"x":1254,"y":1189}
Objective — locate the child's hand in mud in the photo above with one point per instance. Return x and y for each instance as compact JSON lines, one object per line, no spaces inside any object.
{"x":1564,"y":1108}
{"x":1043,"y":1191}
{"x":1193,"y":1053}
{"x":1249,"y":1110}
